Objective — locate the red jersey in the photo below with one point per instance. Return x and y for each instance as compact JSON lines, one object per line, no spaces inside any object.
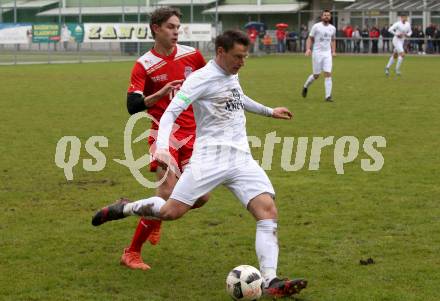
{"x":153,"y":71}
{"x":281,"y":34}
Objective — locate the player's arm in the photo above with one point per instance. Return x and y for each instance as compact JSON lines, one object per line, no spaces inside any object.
{"x":310,"y":40}
{"x":409,"y":33}
{"x":309,"y":43}
{"x":252,"y":106}
{"x":393,"y":29}
{"x":137,"y":102}
{"x":162,"y":154}
{"x":333,"y":45}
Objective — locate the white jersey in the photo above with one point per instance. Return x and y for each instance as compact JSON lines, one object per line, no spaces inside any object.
{"x":218,"y":103}
{"x":400,"y":28}
{"x":323,"y":36}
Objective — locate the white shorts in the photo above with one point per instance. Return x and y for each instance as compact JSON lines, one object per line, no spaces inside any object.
{"x":235,"y":169}
{"x":398,"y":45}
{"x":322,"y":62}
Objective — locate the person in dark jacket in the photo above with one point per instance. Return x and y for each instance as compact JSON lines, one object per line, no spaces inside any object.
{"x":386,"y":37}
{"x":365,"y":34}
{"x":420,"y":36}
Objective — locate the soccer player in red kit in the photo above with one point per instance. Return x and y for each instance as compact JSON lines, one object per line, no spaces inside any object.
{"x":155,"y":78}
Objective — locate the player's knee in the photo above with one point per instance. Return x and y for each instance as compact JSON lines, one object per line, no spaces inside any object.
{"x":170,"y":214}
{"x":272,"y":212}
{"x":316,"y":76}
{"x":201,"y":201}
{"x":165,"y":190}
{"x":263,"y":207}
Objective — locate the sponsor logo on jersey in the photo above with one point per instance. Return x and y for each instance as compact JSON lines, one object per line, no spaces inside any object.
{"x":160,"y":78}
{"x":235,"y":103}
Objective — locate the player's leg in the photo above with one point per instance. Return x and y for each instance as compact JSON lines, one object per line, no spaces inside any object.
{"x":147,"y":228}
{"x":316,"y":64}
{"x":263,"y":208}
{"x":328,"y":85}
{"x":400,"y":57}
{"x":252,"y":187}
{"x":392,"y":57}
{"x":194,"y":183}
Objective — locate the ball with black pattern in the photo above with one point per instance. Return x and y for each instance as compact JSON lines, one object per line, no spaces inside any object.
{"x":244,"y":283}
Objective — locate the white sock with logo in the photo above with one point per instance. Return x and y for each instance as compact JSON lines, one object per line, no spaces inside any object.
{"x":146,"y":207}
{"x":266,"y":246}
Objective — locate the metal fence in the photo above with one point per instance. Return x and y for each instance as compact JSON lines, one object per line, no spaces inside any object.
{"x":69,"y":52}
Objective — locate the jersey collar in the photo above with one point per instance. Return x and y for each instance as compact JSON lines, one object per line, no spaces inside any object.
{"x":165,"y":57}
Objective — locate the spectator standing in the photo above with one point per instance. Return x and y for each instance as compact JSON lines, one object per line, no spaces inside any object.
{"x":420,"y":36}
{"x":365,"y":34}
{"x":340,"y":43}
{"x":291,"y":39}
{"x":430,"y":34}
{"x":348,"y":32}
{"x":386,"y":37}
{"x":304,"y":34}
{"x":356,"y":37}
{"x":252,"y":34}
{"x":267,"y":42}
{"x":281,"y":40}
{"x":374,"y":35}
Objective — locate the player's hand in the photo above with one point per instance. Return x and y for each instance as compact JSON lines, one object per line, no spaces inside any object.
{"x":282,"y":113}
{"x":400,"y":36}
{"x":333,"y":53}
{"x":172,"y":85}
{"x":308,"y":52}
{"x":163,"y":157}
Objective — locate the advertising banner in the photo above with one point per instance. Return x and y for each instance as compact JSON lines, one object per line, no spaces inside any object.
{"x":18,"y":33}
{"x":45,"y":33}
{"x":134,"y":32}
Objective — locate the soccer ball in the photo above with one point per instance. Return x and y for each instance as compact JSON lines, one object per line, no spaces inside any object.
{"x":244,"y":283}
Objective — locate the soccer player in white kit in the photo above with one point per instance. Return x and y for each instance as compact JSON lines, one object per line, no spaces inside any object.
{"x":221,"y":155}
{"x":400,"y":30}
{"x":322,"y":36}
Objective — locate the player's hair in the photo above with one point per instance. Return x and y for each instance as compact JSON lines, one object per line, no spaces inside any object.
{"x":161,"y":15}
{"x":325,"y":11}
{"x":230,"y":37}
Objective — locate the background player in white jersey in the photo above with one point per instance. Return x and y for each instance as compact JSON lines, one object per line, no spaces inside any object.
{"x":400,"y":30}
{"x":221,"y":156}
{"x":322,"y":36}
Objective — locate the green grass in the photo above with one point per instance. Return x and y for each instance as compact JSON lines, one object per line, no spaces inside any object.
{"x":327,"y":223}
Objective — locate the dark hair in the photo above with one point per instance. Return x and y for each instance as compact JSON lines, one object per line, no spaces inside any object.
{"x":161,"y":15}
{"x":326,"y":11}
{"x":230,"y":37}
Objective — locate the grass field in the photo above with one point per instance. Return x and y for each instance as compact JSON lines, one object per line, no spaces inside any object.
{"x":327,"y":222}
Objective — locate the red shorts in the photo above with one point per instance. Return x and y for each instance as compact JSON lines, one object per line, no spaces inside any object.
{"x":181,"y":155}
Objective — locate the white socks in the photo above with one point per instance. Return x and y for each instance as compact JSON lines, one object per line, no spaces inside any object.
{"x":328,"y":86}
{"x":390,"y":62}
{"x":146,"y":208}
{"x":399,"y":62}
{"x":309,"y":81}
{"x":266,"y":245}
